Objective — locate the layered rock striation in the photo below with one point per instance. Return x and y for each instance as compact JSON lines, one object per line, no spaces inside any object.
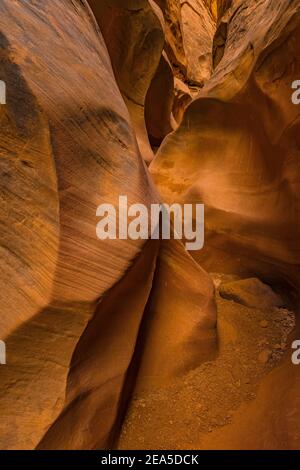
{"x":162,"y":101}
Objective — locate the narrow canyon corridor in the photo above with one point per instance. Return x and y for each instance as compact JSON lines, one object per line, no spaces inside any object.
{"x":140,"y":343}
{"x":224,"y":403}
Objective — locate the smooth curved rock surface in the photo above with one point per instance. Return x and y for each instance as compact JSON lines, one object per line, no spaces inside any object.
{"x":252,"y":293}
{"x":67,"y":146}
{"x":190,"y":27}
{"x":133,"y":32}
{"x":236,"y":149}
{"x":90,"y":326}
{"x":179,"y":331}
{"x":159,"y":103}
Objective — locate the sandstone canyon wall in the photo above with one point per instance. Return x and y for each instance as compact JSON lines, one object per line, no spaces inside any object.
{"x":67,"y":145}
{"x":236,"y":148}
{"x":162,"y":101}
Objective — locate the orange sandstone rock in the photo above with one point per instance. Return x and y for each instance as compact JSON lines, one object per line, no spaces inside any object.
{"x":236,"y":148}
{"x":67,"y":146}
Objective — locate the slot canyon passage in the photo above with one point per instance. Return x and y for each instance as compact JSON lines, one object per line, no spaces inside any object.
{"x":139,"y":344}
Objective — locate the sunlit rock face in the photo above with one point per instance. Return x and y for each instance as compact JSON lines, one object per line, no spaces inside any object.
{"x":72,"y":306}
{"x":67,"y":145}
{"x":183,"y":101}
{"x":236,"y":149}
{"x":190,"y":27}
{"x":180,"y":320}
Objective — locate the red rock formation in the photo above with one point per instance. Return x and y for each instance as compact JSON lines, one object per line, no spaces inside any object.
{"x":190,"y":27}
{"x":180,"y":320}
{"x":96,"y":388}
{"x":198,"y":28}
{"x":159,"y":103}
{"x":89,"y":322}
{"x":182,"y":99}
{"x":236,"y":149}
{"x":67,"y":146}
{"x":72,"y":305}
{"x":133,"y":32}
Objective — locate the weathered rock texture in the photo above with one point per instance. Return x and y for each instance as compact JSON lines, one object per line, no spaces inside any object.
{"x":252,"y":293}
{"x":236,"y":149}
{"x":133,"y":32}
{"x":239,"y":400}
{"x":159,"y":103}
{"x":87,"y":323}
{"x":71,"y":305}
{"x":67,"y":145}
{"x":180,"y":319}
{"x":190,"y":26}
